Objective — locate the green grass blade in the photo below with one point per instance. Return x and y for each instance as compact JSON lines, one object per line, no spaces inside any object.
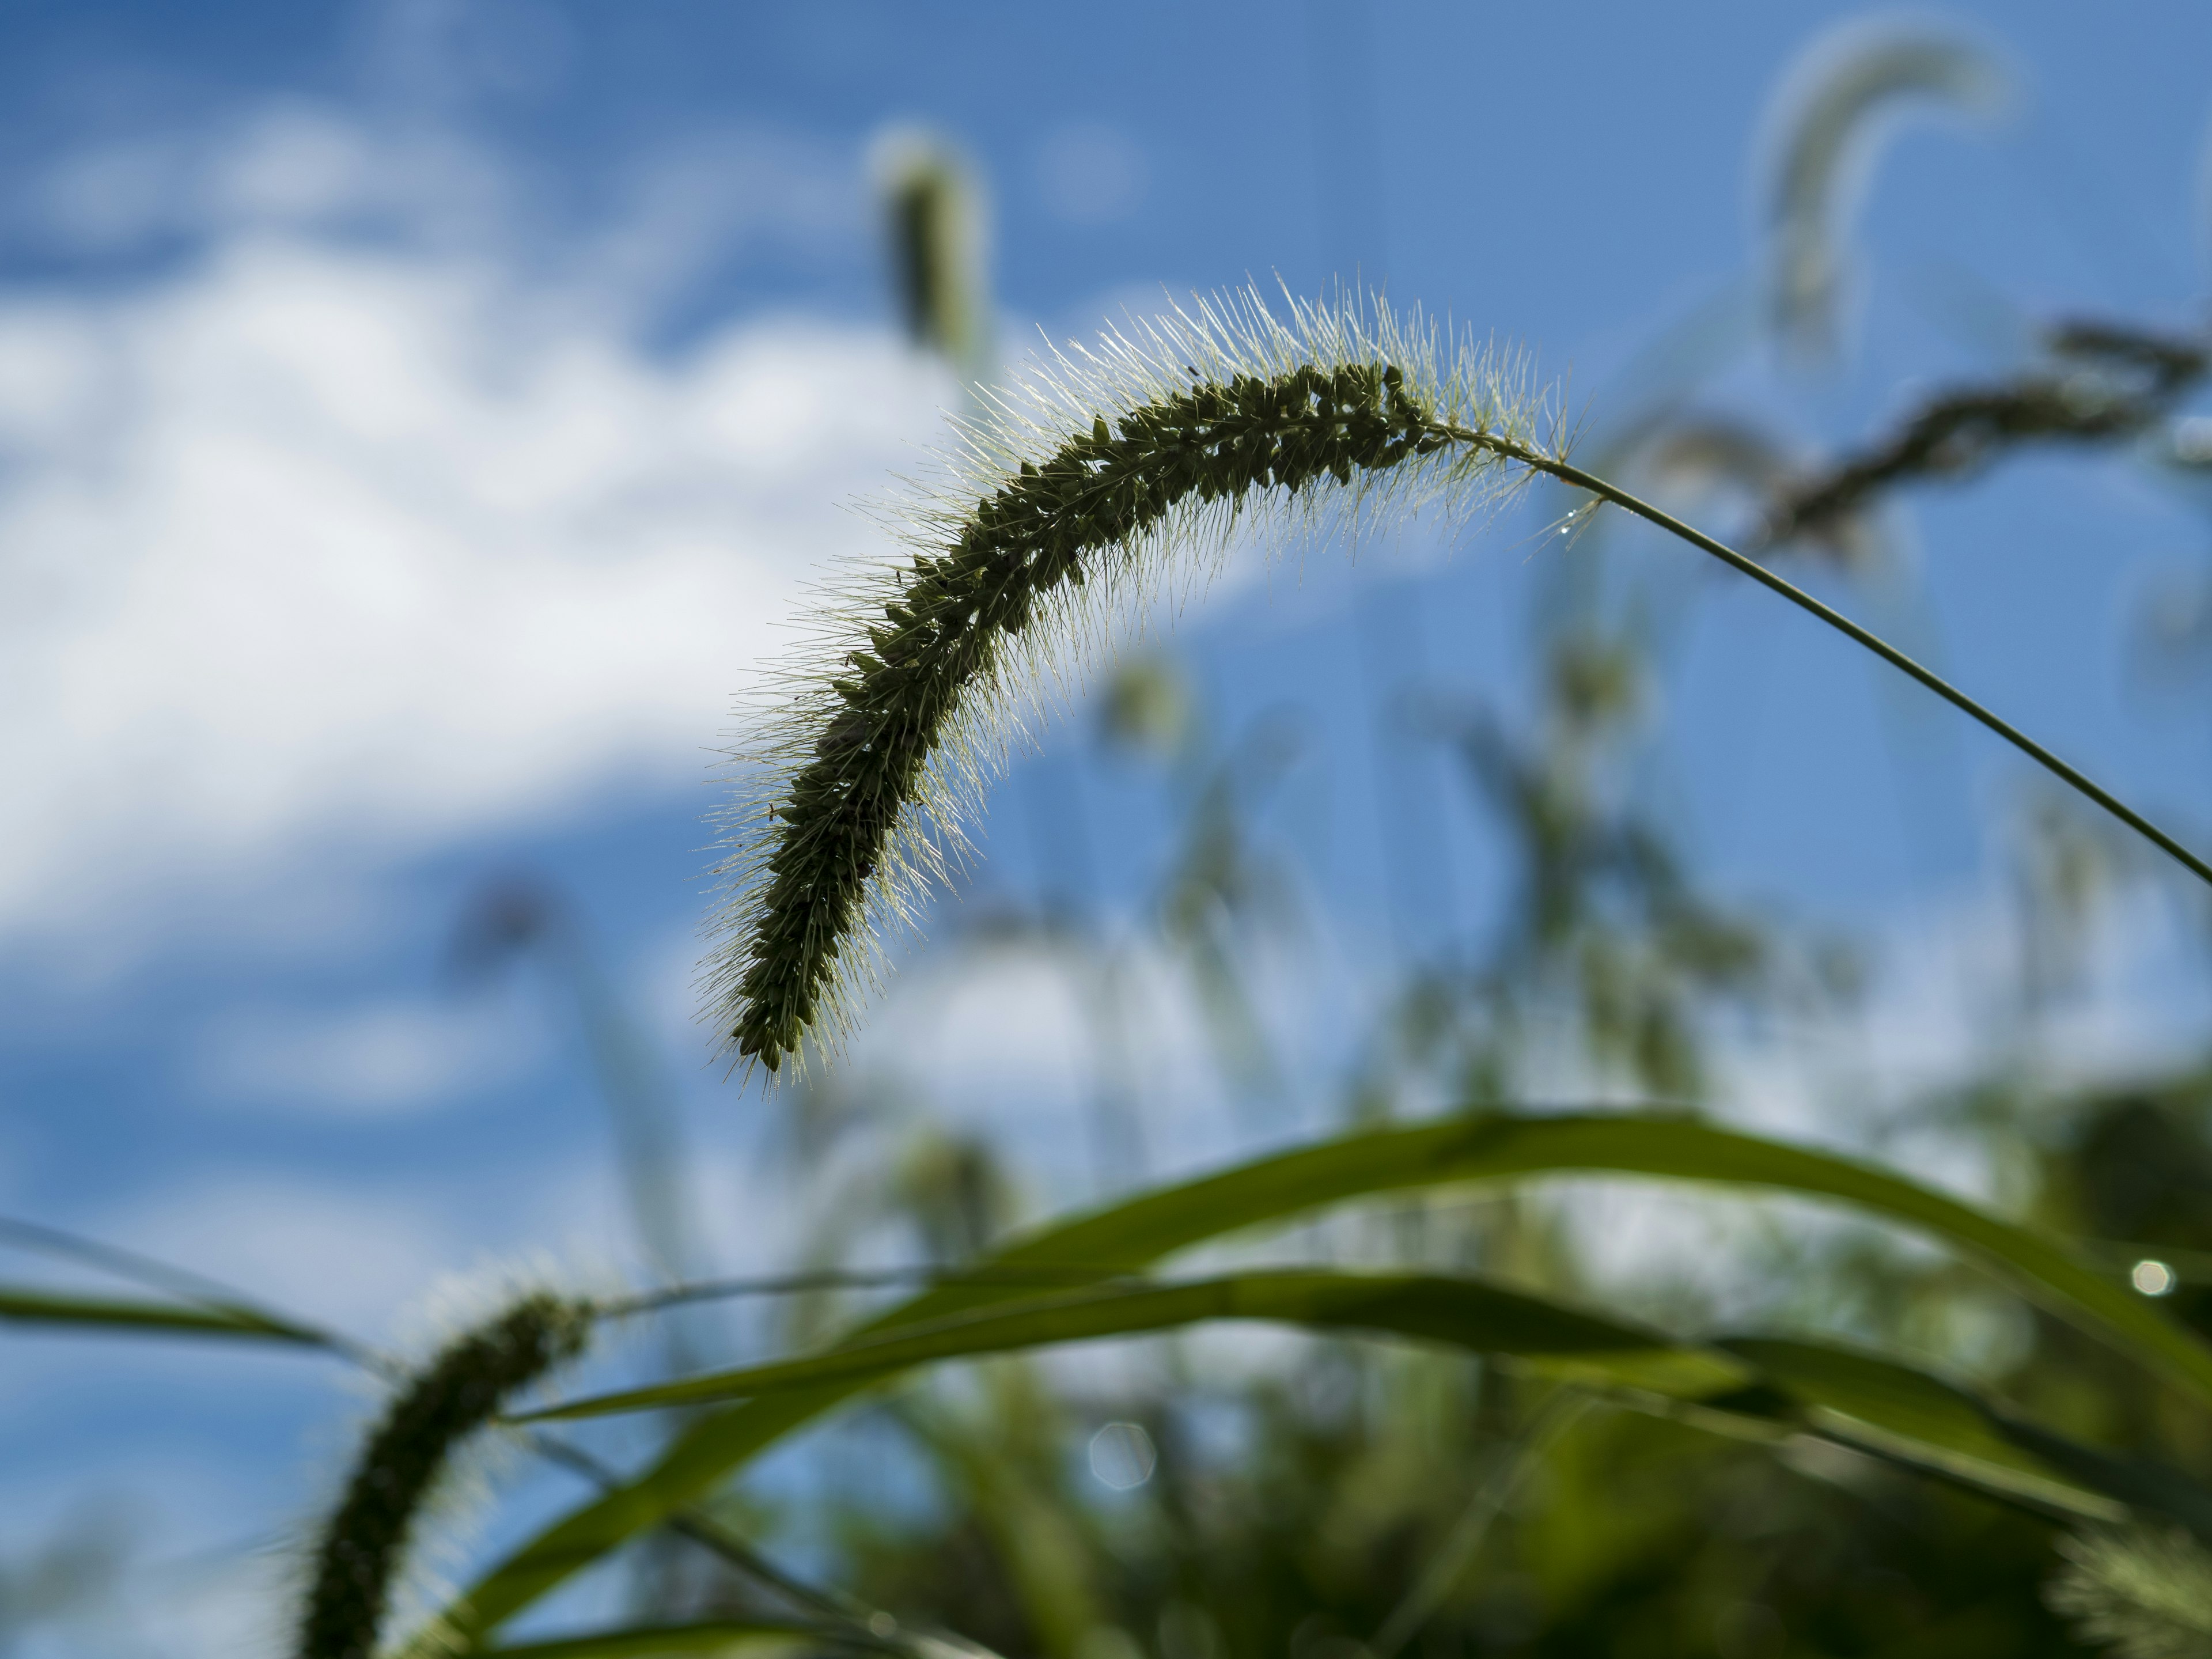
{"x":1771,"y":1388}
{"x":30,"y":1307}
{"x":1463,"y":1312}
{"x":1859,"y":1399}
{"x":709,"y":1636}
{"x":1904,"y":1415}
{"x":1490,"y":1148}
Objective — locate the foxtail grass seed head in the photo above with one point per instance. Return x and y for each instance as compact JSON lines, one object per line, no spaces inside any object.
{"x":1823,"y":131}
{"x":362,"y":1544}
{"x":2136,"y":1593}
{"x":935,"y":216}
{"x":1070,"y":493}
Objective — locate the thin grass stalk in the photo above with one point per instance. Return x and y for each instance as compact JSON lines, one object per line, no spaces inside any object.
{"x":925,"y":1276}
{"x":1449,"y":1568}
{"x":2071,"y":776}
{"x":196,"y":1290}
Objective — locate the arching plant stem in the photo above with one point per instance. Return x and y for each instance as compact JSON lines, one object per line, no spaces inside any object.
{"x":1567,"y":474}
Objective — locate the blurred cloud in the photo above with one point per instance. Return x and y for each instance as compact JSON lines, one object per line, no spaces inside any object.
{"x":444,"y":52}
{"x":324,"y":547}
{"x":665,"y":216}
{"x":380,"y":1061}
{"x":344,"y":1253}
{"x":288,"y":163}
{"x":1090,"y":173}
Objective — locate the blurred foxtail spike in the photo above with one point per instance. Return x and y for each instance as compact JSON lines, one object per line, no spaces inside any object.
{"x":936,"y":223}
{"x":1823,"y":131}
{"x":362,"y":1546}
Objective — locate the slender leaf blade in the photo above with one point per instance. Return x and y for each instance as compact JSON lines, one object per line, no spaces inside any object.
{"x":1895,"y":1411}
{"x":1465,"y":1313}
{"x":21,"y":1305}
{"x":707,"y":1635}
{"x":1770,"y":1386}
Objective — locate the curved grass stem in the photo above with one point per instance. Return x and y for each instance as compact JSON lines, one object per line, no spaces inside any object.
{"x":1565,"y":473}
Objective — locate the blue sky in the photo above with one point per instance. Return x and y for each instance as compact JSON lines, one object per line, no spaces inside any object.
{"x":416,"y":419}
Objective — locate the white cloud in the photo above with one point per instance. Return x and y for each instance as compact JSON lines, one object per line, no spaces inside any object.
{"x":401,"y":1258}
{"x":350,"y":1254}
{"x":380,"y":1061}
{"x":317,"y":551}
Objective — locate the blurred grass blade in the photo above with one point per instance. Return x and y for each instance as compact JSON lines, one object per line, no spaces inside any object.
{"x":1448,"y":1568}
{"x":30,"y":1307}
{"x":1859,"y":1399}
{"x":709,"y":1636}
{"x":1904,"y":1415}
{"x":1503,"y":1146}
{"x":1463,"y":1312}
{"x":1487,"y":1147}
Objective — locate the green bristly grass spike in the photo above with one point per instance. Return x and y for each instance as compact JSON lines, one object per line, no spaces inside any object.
{"x":362,"y":1544}
{"x":1160,"y":442}
{"x":1155,"y":444}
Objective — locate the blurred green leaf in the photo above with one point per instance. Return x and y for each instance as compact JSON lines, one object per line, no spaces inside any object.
{"x":709,"y":1636}
{"x":31,"y":1307}
{"x":1486,"y":1147}
{"x":1462,"y":1312}
{"x":1895,"y":1411}
{"x":1863,"y":1400}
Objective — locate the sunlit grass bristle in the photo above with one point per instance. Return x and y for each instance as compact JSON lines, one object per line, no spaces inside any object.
{"x":1160,"y":441}
{"x":2136,"y":1592}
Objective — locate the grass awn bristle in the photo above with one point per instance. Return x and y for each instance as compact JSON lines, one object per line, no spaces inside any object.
{"x":2138,"y":1592}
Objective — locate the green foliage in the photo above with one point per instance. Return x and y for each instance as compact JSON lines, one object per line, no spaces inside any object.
{"x":700,"y":1636}
{"x":1759,"y":1388}
{"x":1493,"y":1147}
{"x":1629,"y":1533}
{"x":1464,"y":1313}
